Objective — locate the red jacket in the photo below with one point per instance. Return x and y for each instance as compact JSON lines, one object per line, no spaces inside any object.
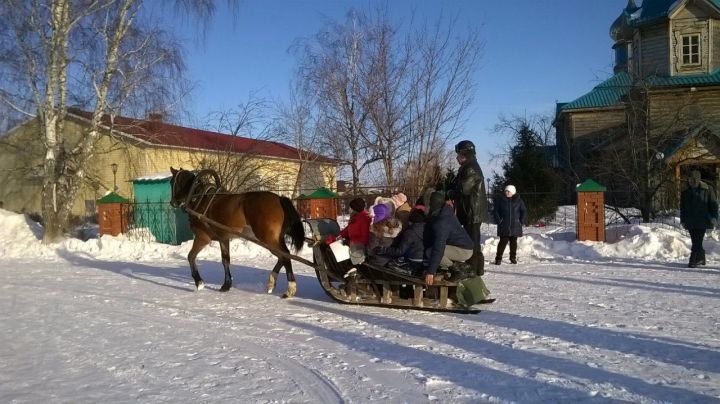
{"x":358,"y":229}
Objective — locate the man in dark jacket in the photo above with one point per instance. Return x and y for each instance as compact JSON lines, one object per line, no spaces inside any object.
{"x":698,"y":212}
{"x":410,"y":241}
{"x":445,"y":240}
{"x":510,"y":212}
{"x":468,"y":193}
{"x":409,"y":246}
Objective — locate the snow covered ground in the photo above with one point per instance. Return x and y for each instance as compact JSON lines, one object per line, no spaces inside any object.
{"x":115,"y":320}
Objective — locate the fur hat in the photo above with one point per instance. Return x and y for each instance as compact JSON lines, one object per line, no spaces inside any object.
{"x":399,"y":199}
{"x":380,"y":213}
{"x":357,"y":204}
{"x":511,"y":189}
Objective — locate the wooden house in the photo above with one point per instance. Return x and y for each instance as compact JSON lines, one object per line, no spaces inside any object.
{"x":665,"y":86}
{"x":130,"y":148}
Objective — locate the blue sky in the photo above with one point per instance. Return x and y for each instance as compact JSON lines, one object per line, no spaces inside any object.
{"x":536,"y":53}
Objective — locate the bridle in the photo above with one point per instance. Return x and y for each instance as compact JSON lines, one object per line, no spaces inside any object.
{"x":173,"y":199}
{"x":212,"y":191}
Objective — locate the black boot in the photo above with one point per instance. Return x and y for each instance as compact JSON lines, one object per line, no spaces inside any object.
{"x":513,"y":261}
{"x":479,"y":265}
{"x":498,"y":261}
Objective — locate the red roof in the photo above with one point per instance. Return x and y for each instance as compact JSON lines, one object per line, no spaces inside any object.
{"x":159,"y":133}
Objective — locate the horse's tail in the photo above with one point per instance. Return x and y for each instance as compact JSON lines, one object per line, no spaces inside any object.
{"x":292,"y":224}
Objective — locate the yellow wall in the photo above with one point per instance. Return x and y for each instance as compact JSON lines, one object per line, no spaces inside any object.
{"x":21,"y":155}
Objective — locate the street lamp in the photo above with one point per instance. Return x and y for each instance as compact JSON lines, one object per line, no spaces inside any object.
{"x":114,"y":168}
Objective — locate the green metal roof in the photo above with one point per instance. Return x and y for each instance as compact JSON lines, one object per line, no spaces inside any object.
{"x":589,"y":186}
{"x":320,"y":193}
{"x":610,"y":92}
{"x":112,"y":197}
{"x":605,"y":94}
{"x":694,"y":80}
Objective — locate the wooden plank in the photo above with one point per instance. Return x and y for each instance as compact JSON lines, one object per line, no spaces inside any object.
{"x":443,"y":296}
{"x":387,"y":293}
{"x":353,"y":291}
{"x":418,"y":297}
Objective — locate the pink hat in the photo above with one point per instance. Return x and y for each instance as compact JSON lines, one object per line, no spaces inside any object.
{"x":399,"y":199}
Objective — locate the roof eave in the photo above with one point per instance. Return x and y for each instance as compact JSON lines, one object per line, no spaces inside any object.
{"x":593,"y":109}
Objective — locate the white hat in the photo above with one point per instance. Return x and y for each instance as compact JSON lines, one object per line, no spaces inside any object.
{"x":511,"y":189}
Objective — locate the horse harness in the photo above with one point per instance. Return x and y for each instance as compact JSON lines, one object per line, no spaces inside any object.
{"x":200,"y":189}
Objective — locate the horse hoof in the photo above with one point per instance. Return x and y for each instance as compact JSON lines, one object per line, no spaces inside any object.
{"x":199,"y":285}
{"x":286,"y":296}
{"x":225,"y":288}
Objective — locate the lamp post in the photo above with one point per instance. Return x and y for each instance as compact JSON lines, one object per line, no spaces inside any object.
{"x":114,"y":168}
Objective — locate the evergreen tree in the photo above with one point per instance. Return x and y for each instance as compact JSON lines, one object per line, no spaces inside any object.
{"x":528,"y":168}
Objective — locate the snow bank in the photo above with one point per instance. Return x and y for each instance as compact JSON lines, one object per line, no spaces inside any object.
{"x":21,"y":237}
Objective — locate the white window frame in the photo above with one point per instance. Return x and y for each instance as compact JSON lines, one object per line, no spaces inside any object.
{"x":686,"y":50}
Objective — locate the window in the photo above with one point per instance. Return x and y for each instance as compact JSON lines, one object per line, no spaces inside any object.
{"x":691,"y":49}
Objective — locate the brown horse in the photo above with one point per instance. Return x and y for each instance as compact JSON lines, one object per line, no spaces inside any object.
{"x":266,"y":216}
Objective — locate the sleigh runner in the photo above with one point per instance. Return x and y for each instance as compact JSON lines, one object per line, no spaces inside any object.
{"x":202,"y":197}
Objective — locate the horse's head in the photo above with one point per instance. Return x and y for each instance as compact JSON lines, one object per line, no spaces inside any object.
{"x":181,"y":183}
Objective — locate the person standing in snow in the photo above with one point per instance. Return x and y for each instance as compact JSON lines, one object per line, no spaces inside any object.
{"x":468,"y":195}
{"x":510,"y":213}
{"x":698,"y":212}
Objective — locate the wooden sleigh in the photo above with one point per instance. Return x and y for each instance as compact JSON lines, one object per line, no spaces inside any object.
{"x":378,"y":284}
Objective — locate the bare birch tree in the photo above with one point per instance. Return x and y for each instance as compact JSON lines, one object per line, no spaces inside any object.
{"x":329,"y":68}
{"x":397,"y":100}
{"x":443,"y":88}
{"x":386,"y":93}
{"x":100,"y":54}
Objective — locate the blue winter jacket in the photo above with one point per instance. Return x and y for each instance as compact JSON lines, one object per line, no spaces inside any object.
{"x":441,"y":229}
{"x":410,"y":244}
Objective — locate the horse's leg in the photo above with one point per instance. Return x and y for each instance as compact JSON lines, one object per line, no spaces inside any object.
{"x":201,"y":240}
{"x":292,"y":285}
{"x":225,"y":253}
{"x":284,"y":261}
{"x":272,"y":279}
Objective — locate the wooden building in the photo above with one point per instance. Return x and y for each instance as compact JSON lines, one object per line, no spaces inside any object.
{"x":129,"y":148}
{"x":665,"y":88}
{"x":321,"y":204}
